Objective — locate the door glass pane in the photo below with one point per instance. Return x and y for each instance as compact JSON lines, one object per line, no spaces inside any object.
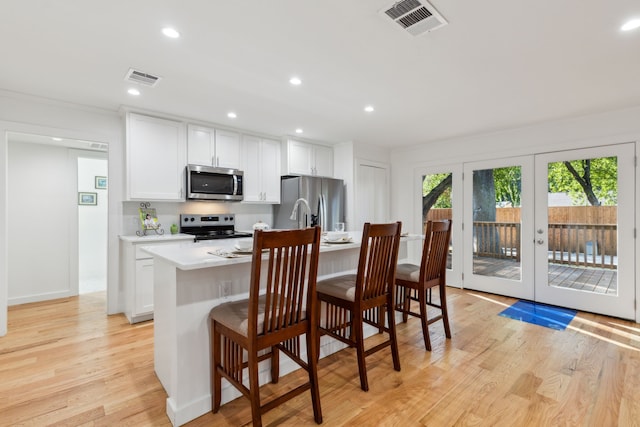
{"x":582,"y":218}
{"x":496,"y":222}
{"x":436,"y":202}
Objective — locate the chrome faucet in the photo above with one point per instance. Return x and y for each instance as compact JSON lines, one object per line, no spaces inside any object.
{"x":294,"y":213}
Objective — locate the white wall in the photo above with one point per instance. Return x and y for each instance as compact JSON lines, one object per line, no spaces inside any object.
{"x":92,"y":220}
{"x":41,"y":195}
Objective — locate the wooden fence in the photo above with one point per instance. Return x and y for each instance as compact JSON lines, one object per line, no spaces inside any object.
{"x":577,"y":235}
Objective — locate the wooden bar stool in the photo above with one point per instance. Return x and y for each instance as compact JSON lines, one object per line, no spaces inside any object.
{"x":274,"y":320}
{"x":414,"y":282}
{"x":352,"y":300}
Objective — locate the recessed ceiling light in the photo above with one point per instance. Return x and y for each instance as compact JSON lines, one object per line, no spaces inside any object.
{"x":631,"y":25}
{"x":133,"y":91}
{"x":299,"y":130}
{"x":232,"y":115}
{"x":56,"y":138}
{"x":170,"y":32}
{"x":295,"y":81}
{"x":369,"y":108}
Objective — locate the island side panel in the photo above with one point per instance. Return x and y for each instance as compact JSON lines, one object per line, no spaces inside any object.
{"x":164,"y":328}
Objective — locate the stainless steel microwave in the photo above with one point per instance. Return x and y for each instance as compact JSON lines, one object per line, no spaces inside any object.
{"x":212,"y":183}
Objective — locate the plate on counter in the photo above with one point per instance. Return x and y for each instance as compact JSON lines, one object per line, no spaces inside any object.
{"x":223,"y":254}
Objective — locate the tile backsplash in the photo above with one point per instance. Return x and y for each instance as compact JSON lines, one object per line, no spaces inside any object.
{"x":169,"y":213}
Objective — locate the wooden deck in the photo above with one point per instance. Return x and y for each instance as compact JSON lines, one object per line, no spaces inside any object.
{"x":598,"y":280}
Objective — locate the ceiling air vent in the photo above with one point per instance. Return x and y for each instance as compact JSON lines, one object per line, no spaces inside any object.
{"x":142,"y":78}
{"x":414,"y":16}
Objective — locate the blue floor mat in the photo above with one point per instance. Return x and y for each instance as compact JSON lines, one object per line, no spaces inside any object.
{"x":540,"y":314}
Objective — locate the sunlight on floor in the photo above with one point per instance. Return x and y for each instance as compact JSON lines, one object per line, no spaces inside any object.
{"x":585,"y":322}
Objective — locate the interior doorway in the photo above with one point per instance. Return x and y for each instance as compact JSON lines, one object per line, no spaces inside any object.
{"x":44,"y":202}
{"x":92,"y":221}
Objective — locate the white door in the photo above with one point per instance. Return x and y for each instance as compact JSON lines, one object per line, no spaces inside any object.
{"x":372,"y":196}
{"x":584,"y":254}
{"x":498,"y":230}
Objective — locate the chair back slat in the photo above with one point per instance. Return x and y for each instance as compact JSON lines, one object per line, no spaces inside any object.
{"x":287,"y":279}
{"x":378,"y":257}
{"x":435,"y":250}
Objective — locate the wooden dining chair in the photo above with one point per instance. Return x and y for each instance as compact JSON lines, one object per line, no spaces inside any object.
{"x":415,"y":282}
{"x":282,"y":306}
{"x":354,"y":299}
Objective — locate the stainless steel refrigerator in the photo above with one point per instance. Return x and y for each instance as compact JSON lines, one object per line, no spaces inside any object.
{"x":308,"y":200}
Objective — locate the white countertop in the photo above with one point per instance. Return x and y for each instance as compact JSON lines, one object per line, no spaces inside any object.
{"x":153,"y":237}
{"x":191,"y":256}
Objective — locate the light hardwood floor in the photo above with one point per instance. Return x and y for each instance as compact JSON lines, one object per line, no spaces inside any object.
{"x":65,"y":363}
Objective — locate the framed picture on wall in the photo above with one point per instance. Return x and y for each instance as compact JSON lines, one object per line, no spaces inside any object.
{"x":87,"y":198}
{"x":101,"y":182}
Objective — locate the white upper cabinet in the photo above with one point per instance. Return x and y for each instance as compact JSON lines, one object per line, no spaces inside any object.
{"x":228,"y":149}
{"x":213,"y":147}
{"x":323,"y":157}
{"x":261,"y":170}
{"x":309,"y":159}
{"x":156,"y":151}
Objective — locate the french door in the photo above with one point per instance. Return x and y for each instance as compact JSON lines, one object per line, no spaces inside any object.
{"x":555,"y":228}
{"x":498,"y":255}
{"x":584,"y":244}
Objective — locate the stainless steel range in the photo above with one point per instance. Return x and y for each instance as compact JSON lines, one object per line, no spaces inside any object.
{"x":207,"y":227}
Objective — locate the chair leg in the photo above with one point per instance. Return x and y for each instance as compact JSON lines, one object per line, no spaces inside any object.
{"x":275,"y":364}
{"x":357,"y":328}
{"x":216,"y":379}
{"x":407,"y":304}
{"x":445,"y":313}
{"x":393,"y":337}
{"x":312,"y":362}
{"x":254,"y":389}
{"x":422,"y":299}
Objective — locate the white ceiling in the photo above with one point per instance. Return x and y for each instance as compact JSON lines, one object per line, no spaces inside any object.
{"x":498,"y":64}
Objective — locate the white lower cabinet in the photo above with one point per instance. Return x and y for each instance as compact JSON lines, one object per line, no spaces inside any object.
{"x":137,"y":274}
{"x":143,"y":290}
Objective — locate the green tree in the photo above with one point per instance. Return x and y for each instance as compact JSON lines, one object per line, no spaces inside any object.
{"x":507,"y":182}
{"x":436,"y":192}
{"x":593,"y":181}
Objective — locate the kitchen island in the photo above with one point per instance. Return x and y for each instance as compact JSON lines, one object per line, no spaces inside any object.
{"x":189,"y":280}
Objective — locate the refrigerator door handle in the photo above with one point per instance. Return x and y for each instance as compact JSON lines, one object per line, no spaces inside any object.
{"x":323,"y":213}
